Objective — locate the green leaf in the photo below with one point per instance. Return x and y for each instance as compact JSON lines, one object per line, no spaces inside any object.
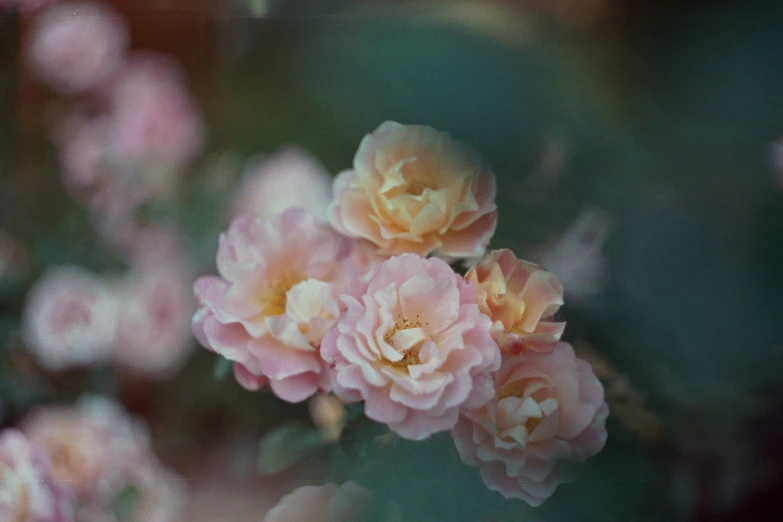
{"x":222,"y":369}
{"x":125,"y":503}
{"x":285,"y":445}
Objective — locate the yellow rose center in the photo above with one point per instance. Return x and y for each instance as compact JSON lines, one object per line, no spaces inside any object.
{"x":273,"y":295}
{"x":411,"y":355}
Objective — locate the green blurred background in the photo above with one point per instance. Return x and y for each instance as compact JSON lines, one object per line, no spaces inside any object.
{"x":662,"y":115}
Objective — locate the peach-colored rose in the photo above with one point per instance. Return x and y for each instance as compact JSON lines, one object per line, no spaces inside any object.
{"x":27,"y":491}
{"x":94,"y":446}
{"x":413,"y":345}
{"x":153,"y":330}
{"x":548,"y":412}
{"x":274,"y":300}
{"x":155,"y":122}
{"x":76,"y":46}
{"x":290,"y":178}
{"x":412,"y":189}
{"x":327,"y":503}
{"x":70,"y":319}
{"x":521,"y":298}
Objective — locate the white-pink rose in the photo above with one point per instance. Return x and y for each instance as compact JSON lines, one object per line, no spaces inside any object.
{"x":327,"y":503}
{"x":521,"y":298}
{"x":548,"y":413}
{"x":414,"y":190}
{"x":290,"y":178}
{"x":77,"y":46}
{"x":274,"y":300}
{"x":413,"y":345}
{"x":155,"y":122}
{"x":153,"y":329}
{"x":27,"y":491}
{"x":70,"y":319}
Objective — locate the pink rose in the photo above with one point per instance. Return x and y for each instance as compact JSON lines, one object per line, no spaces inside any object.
{"x":413,"y":345}
{"x":290,"y":178}
{"x":70,"y":319}
{"x":27,"y":491}
{"x":548,"y":411}
{"x":153,"y":329}
{"x":76,"y":46}
{"x":155,"y":121}
{"x":521,"y":298}
{"x":274,"y":300}
{"x":412,"y":189}
{"x":327,"y":503}
{"x":94,"y":446}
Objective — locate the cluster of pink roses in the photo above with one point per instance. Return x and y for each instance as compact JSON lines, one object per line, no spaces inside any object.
{"x":72,"y":463}
{"x":356,"y":308}
{"x":139,"y":321}
{"x":134,"y":127}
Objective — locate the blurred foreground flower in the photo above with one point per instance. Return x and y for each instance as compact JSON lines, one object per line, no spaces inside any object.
{"x":70,"y":319}
{"x":413,"y":190}
{"x":521,"y":298}
{"x":28,"y":492}
{"x":327,"y":503}
{"x":549,"y":411}
{"x":100,"y":453}
{"x":413,"y":346}
{"x":274,"y":301}
{"x":77,"y":46}
{"x":577,"y":257}
{"x":290,"y":178}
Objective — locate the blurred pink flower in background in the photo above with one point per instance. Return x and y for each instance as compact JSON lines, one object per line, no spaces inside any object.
{"x":155,"y":122}
{"x":521,"y":298}
{"x":413,"y":345}
{"x":290,"y":178}
{"x":157,"y":246}
{"x":70,"y":319}
{"x":153,"y":331}
{"x":549,"y":411}
{"x":24,"y":6}
{"x":98,"y":451}
{"x":328,"y":415}
{"x":77,"y":46}
{"x":27,"y":491}
{"x":413,"y":189}
{"x":327,"y":503}
{"x":162,"y":496}
{"x":577,"y":257}
{"x":274,"y":300}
